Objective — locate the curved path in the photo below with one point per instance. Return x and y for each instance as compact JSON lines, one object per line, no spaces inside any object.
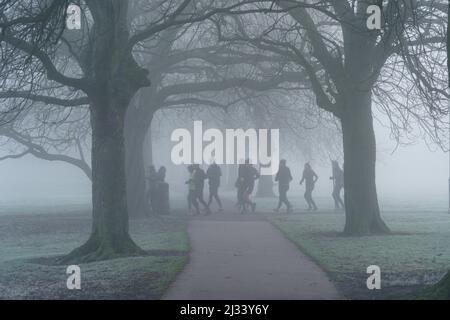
{"x":242,"y":257}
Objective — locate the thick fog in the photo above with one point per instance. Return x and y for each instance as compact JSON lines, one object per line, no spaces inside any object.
{"x":413,"y":174}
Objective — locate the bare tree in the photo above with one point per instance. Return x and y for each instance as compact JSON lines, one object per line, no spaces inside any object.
{"x":52,"y":135}
{"x":349,"y":67}
{"x":189,"y":68}
{"x":185,"y":73}
{"x":39,"y":62}
{"x":441,"y":290}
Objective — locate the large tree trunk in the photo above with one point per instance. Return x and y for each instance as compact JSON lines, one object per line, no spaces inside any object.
{"x":115,"y":78}
{"x":448,"y":43}
{"x":442,"y":289}
{"x":109,"y":237}
{"x":361,"y":201}
{"x":135,"y":137}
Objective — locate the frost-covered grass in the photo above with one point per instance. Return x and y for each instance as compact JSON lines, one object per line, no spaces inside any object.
{"x":28,"y":243}
{"x":416,"y":254}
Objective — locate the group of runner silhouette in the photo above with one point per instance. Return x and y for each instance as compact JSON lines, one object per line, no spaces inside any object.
{"x":245,"y":184}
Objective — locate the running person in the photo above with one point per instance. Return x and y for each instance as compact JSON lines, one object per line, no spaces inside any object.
{"x":240,"y":188}
{"x":192,"y":201}
{"x":338,"y":184}
{"x":214,"y":173}
{"x":247,"y":177}
{"x":284,"y":178}
{"x":310,"y":178}
{"x":199,"y":182}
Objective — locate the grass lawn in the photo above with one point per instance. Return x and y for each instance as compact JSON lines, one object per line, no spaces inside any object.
{"x":415,"y":255}
{"x":28,"y":243}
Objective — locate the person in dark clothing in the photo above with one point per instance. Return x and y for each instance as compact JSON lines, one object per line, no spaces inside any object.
{"x":338,"y":184}
{"x":240,"y":189}
{"x":161,"y":195}
{"x":161,"y":175}
{"x":214,"y":173}
{"x":199,"y":183}
{"x":246,"y":182}
{"x":192,"y":199}
{"x":284,"y":178}
{"x":310,"y":178}
{"x":152,"y":182}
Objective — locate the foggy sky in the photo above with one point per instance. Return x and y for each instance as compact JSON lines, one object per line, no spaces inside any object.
{"x":413,"y":174}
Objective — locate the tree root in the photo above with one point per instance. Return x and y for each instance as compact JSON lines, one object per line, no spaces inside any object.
{"x":98,"y":249}
{"x":377,"y":227}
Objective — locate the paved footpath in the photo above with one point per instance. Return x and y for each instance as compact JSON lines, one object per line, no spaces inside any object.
{"x":236,"y":257}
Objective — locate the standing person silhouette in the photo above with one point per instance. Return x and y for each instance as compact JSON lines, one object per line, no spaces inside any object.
{"x":162,"y":192}
{"x":152,"y":182}
{"x":338,"y":184}
{"x":214,"y":173}
{"x":284,"y":178}
{"x":310,"y":178}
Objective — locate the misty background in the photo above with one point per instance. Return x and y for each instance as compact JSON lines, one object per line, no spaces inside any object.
{"x":411,"y":175}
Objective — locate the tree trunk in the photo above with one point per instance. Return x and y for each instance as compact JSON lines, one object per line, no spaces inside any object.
{"x":441,"y":290}
{"x":110,"y":237}
{"x":148,"y":150}
{"x":361,"y":201}
{"x":114,"y":78}
{"x":135,"y":137}
{"x":448,"y":43}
